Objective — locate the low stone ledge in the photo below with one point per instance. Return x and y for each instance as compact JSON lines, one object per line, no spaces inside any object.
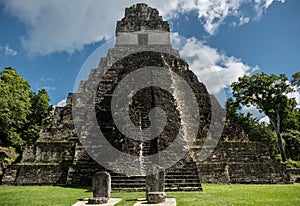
{"x":110,"y":202}
{"x":97,"y":200}
{"x":156,"y":197}
{"x":167,"y":202}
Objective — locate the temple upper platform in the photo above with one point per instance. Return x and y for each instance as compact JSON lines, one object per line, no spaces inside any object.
{"x":142,"y":26}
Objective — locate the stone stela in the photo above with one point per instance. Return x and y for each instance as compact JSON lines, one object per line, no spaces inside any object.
{"x":101,"y":188}
{"x":155,"y":185}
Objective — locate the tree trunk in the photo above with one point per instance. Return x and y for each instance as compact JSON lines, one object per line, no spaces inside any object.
{"x":279,"y":138}
{"x":281,"y":148}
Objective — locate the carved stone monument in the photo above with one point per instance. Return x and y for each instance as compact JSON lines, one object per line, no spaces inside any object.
{"x":101,"y":188}
{"x":101,"y":191}
{"x":155,"y":188}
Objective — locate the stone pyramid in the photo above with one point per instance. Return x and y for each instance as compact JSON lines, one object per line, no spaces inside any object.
{"x":62,"y":154}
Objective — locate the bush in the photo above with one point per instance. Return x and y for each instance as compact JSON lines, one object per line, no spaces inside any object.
{"x":292,"y":164}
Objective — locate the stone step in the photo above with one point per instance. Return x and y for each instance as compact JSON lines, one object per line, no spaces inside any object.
{"x":168,"y":189}
{"x":168,"y":177}
{"x":182,"y":176}
{"x":126,"y":184}
{"x":142,"y":185}
{"x":138,"y":181}
{"x":129,"y":189}
{"x":182,"y":181}
{"x":171,"y":189}
{"x":170,"y":174}
{"x":183,"y":171}
{"x":125,"y":179}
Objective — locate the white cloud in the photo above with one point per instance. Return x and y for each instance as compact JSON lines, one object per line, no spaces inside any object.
{"x":8,"y":51}
{"x":262,"y":5}
{"x":296,"y":95}
{"x":265,"y":120}
{"x":46,"y":87}
{"x":61,"y":103}
{"x":256,"y":114}
{"x":49,"y":88}
{"x":213,"y":13}
{"x":46,"y":79}
{"x":243,"y":20}
{"x":56,"y":26}
{"x":254,"y":111}
{"x":216,"y":70}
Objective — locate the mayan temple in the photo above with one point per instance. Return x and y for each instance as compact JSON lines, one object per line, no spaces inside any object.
{"x":58,"y":157}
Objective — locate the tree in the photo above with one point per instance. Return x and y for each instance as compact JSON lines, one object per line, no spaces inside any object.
{"x":22,"y":113}
{"x":40,"y":114}
{"x":15,"y":106}
{"x":256,"y":131}
{"x":292,"y":121}
{"x":269,"y":94}
{"x":292,"y":144}
{"x":296,"y":79}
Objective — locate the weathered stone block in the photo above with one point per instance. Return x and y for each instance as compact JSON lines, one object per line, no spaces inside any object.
{"x":155,"y":188}
{"x":98,"y":200}
{"x":101,"y":185}
{"x":156,"y":197}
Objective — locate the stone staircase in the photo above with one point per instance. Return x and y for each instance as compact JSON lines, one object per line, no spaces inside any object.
{"x":181,"y":177}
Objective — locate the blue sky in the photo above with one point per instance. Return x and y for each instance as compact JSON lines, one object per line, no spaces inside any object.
{"x":47,"y":42}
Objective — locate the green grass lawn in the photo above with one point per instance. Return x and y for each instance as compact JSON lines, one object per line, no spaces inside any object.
{"x":212,"y":195}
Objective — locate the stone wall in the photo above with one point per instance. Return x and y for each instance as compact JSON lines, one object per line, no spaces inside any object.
{"x":46,"y":162}
{"x":36,"y":174}
{"x":240,"y":162}
{"x":141,"y":17}
{"x":153,"y":38}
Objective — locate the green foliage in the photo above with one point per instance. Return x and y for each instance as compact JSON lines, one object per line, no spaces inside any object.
{"x":40,"y":114}
{"x":22,"y":112}
{"x":278,"y":158}
{"x":256,"y":130}
{"x":268,"y":93}
{"x":15,"y":106}
{"x":292,"y":144}
{"x":292,"y":164}
{"x":292,"y":120}
{"x":40,"y":107}
{"x":296,"y":79}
